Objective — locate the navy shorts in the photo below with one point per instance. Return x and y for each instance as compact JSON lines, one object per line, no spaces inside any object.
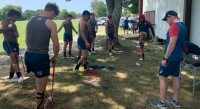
{"x":94,"y":33}
{"x":67,"y":37}
{"x":81,"y":43}
{"x":39,"y":64}
{"x":172,"y":68}
{"x":13,"y":48}
{"x":111,"y":36}
{"x":126,"y":27}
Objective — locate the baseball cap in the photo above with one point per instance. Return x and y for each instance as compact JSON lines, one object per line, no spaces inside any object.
{"x":169,"y":13}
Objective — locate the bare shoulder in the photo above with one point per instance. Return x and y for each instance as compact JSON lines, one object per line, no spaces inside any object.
{"x":50,"y":23}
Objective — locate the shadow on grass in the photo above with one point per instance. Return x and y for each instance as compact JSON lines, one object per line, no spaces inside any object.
{"x":127,"y":87}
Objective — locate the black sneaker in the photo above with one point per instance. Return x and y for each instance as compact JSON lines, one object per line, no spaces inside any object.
{"x":173,"y":102}
{"x":157,"y":103}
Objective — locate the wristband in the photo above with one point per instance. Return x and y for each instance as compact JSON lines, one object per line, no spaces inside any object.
{"x":164,"y":58}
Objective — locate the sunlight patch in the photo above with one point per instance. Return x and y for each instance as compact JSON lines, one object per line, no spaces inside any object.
{"x":121,"y":75}
{"x":113,"y":103}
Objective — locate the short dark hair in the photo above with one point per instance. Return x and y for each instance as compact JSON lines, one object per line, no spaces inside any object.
{"x":109,"y":16}
{"x":69,"y":15}
{"x":86,"y":12}
{"x":92,"y":13}
{"x":13,"y":12}
{"x":52,"y":7}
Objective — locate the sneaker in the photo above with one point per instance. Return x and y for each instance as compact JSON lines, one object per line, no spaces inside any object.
{"x":78,"y":72}
{"x":157,"y":103}
{"x":174,"y":103}
{"x":20,"y":79}
{"x":48,"y":101}
{"x":141,"y":59}
{"x":110,"y":54}
{"x":89,"y":53}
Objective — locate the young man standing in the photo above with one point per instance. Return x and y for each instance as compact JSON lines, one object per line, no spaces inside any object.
{"x":39,"y":31}
{"x":10,"y":43}
{"x":83,"y":41}
{"x":173,"y":56}
{"x":110,"y":31}
{"x":94,"y":29}
{"x":126,"y":27}
{"x":143,"y":26}
{"x":68,"y":37}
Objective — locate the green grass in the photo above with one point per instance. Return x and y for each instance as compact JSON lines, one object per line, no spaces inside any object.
{"x":21,"y":25}
{"x":128,"y":86}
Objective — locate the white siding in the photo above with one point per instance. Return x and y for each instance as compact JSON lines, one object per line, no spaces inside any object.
{"x":161,"y":7}
{"x":195,"y":27}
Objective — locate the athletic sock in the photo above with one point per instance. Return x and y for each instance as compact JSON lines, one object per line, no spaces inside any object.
{"x":113,"y":47}
{"x":64,"y":54}
{"x":77,"y":66}
{"x":89,"y":50}
{"x":110,"y":50}
{"x":11,"y":75}
{"x":143,"y":56}
{"x":79,"y":58}
{"x":18,"y":74}
{"x":70,"y":53}
{"x":92,"y":49}
{"x":85,"y":66}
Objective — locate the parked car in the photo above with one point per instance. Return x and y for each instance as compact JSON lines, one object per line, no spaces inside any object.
{"x":121,"y":22}
{"x":132,"y":21}
{"x":101,"y":20}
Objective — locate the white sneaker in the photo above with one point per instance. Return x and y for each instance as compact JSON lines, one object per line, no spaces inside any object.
{"x":48,"y":100}
{"x":110,"y":53}
{"x":141,"y":59}
{"x":20,"y":79}
{"x":89,"y":53}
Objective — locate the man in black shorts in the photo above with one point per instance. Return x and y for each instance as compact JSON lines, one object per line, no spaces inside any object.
{"x":39,"y":31}
{"x":94,"y":29}
{"x":110,"y":32}
{"x":68,"y":37}
{"x":10,"y":43}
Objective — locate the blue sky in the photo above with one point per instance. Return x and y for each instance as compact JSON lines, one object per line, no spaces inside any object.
{"x":74,"y":5}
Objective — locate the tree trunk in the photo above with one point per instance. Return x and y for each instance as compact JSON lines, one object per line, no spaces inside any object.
{"x":115,"y":9}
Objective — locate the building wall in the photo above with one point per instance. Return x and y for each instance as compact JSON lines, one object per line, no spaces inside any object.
{"x":195,"y":27}
{"x":161,"y":7}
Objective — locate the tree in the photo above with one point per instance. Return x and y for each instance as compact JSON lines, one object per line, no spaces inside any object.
{"x":73,"y":14}
{"x":99,"y":8}
{"x":5,"y":10}
{"x":63,"y":14}
{"x":28,"y":14}
{"x":115,"y":9}
{"x":131,"y":6}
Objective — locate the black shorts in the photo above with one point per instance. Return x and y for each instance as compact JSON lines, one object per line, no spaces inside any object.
{"x":172,"y":68}
{"x":81,"y":43}
{"x":111,"y":36}
{"x":67,"y":37}
{"x":94,"y":33}
{"x":39,"y":64}
{"x":10,"y":48}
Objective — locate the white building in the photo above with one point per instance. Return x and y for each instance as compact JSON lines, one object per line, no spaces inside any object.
{"x":188,"y":11}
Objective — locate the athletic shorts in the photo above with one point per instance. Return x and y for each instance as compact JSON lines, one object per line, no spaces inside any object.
{"x":111,"y":36}
{"x":126,"y":27}
{"x":11,"y":48}
{"x":172,"y":68}
{"x":94,"y":33}
{"x":81,"y":43}
{"x":39,"y":64}
{"x":67,"y":37}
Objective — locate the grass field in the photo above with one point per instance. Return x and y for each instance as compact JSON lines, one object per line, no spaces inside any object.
{"x":21,"y":25}
{"x":128,"y":86}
